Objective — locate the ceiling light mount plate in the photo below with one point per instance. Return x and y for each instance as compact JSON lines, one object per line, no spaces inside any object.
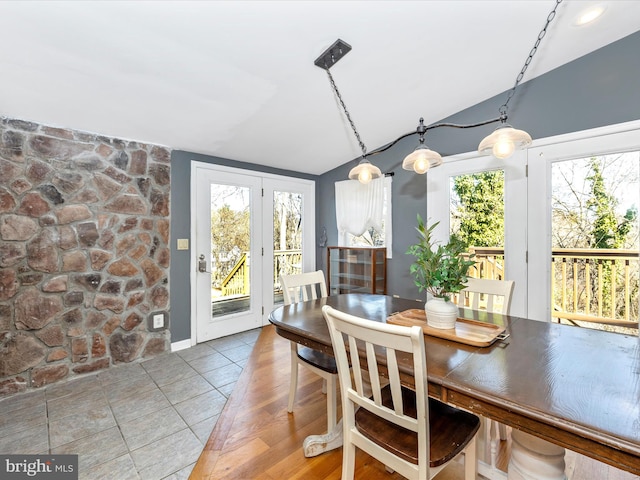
{"x":331,"y":55}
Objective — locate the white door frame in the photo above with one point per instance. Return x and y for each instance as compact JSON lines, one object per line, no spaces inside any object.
{"x":541,"y":155}
{"x":270,"y":182}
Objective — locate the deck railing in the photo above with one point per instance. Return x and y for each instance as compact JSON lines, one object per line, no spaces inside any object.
{"x":595,"y":285}
{"x":587,"y":285}
{"x":285,"y":262}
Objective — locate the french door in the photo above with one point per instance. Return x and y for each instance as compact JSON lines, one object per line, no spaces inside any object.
{"x":440,"y":194}
{"x":248,"y":229}
{"x":530,"y":222}
{"x":578,"y":185}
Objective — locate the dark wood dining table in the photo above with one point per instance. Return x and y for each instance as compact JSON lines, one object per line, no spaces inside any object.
{"x":573,"y":387}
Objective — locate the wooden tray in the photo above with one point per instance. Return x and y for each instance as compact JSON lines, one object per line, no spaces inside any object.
{"x":470,"y":332}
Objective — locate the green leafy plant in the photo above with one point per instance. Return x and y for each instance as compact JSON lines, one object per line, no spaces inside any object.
{"x":439,"y":269}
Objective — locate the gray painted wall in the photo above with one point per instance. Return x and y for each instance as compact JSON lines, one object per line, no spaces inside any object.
{"x":181,"y":228}
{"x":596,"y":90}
{"x":593,"y":91}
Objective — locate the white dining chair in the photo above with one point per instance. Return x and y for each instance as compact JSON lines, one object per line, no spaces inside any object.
{"x":403,"y":428}
{"x":492,"y":296}
{"x":300,"y":288}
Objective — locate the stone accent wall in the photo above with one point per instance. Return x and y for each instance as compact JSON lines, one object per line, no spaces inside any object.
{"x":84,"y":252}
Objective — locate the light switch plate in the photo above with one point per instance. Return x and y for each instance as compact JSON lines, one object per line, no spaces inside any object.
{"x":183,"y":244}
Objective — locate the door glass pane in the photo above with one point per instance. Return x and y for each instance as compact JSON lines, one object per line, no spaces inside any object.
{"x":230,"y":249}
{"x":594,"y":229}
{"x":287,"y":238}
{"x":477,"y":219}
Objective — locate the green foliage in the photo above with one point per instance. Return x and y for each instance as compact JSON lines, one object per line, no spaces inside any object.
{"x":230,"y":237}
{"x":606,"y":232}
{"x":439,"y":269}
{"x":479,"y":216}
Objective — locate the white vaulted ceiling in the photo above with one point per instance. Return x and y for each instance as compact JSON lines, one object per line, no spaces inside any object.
{"x":236,"y":79}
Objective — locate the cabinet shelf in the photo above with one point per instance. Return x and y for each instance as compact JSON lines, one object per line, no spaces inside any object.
{"x":357,"y":270}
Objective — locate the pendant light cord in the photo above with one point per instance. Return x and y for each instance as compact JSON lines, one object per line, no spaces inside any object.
{"x":543,"y":32}
{"x":346,"y":112}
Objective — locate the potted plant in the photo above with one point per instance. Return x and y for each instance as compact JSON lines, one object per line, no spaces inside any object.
{"x":441,"y":270}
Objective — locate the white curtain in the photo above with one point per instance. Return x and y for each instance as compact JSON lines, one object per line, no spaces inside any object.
{"x":359,"y":207}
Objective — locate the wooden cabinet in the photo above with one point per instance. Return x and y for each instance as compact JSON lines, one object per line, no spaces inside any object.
{"x":357,"y":270}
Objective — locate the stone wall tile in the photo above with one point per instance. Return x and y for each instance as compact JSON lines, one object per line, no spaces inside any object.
{"x":73,"y":213}
{"x":8,"y":283}
{"x":67,"y":237}
{"x":161,"y":154}
{"x":42,"y":251}
{"x":75,"y":261}
{"x":92,"y":367}
{"x":106,"y":187}
{"x":8,"y":170}
{"x":107,"y":302}
{"x":57,"y":354}
{"x":68,"y":182}
{"x":51,"y":193}
{"x":84,"y":252}
{"x":52,"y":336}
{"x":18,"y":353}
{"x":99,"y":258}
{"x":98,"y":346}
{"x":56,"y":284}
{"x":132,"y":321}
{"x":128,"y":204}
{"x":7,"y":201}
{"x":17,"y":227}
{"x":33,"y":205}
{"x":20,"y":185}
{"x":123,"y":268}
{"x":34,"y":310}
{"x":79,"y":350}
{"x":125,"y":348}
{"x":38,"y":171}
{"x":159,"y":203}
{"x":152,"y":273}
{"x":42,"y":376}
{"x":57,"y":149}
{"x":138,"y":164}
{"x":13,"y":385}
{"x":87,"y":234}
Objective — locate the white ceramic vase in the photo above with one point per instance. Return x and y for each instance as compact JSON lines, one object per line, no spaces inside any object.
{"x":441,"y":314}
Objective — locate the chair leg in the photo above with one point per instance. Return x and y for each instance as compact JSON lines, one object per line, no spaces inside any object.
{"x":332,"y":407}
{"x":293,"y":384}
{"x":471,"y":460}
{"x":349,"y":461}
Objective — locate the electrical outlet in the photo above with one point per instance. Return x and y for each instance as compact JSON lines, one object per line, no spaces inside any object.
{"x":158,"y":320}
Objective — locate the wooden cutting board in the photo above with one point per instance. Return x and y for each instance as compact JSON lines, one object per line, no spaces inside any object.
{"x":470,"y":332}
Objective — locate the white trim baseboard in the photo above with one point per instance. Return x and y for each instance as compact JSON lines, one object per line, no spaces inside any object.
{"x":181,"y":345}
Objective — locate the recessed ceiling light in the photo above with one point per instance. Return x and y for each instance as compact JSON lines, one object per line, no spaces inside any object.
{"x":589,"y":14}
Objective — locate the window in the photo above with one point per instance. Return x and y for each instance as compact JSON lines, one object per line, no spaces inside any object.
{"x":363,"y":213}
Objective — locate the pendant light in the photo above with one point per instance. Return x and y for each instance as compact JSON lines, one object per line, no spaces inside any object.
{"x":422,"y":158}
{"x":502,"y":143}
{"x":505,"y":139}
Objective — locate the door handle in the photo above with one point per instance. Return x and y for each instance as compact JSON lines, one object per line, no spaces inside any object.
{"x":202,"y":264}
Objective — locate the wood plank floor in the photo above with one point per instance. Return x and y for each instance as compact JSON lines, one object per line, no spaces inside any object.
{"x":255,"y":437}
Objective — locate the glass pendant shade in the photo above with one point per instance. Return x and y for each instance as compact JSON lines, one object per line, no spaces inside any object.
{"x":421,"y":160}
{"x":364,"y":172}
{"x":504,"y":141}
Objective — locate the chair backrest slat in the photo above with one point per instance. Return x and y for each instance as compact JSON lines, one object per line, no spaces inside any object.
{"x":495,"y":295}
{"x":301,"y":287}
{"x":375,"y":339}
